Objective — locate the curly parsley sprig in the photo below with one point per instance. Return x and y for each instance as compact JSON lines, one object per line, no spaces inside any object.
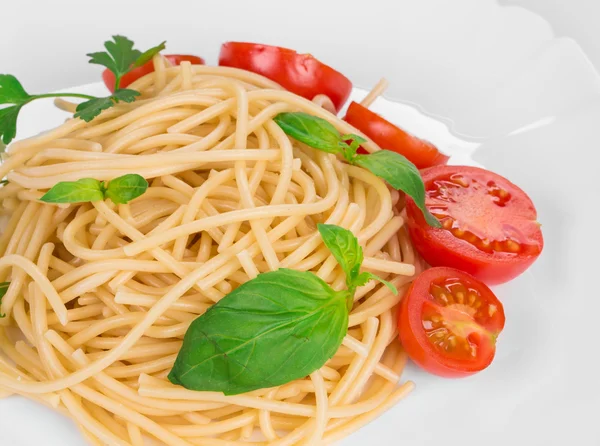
{"x":120,"y":57}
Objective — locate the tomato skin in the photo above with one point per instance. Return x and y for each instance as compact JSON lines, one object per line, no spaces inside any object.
{"x":109,"y":78}
{"x":390,"y":137}
{"x":418,"y":346}
{"x":439,"y":247}
{"x":299,"y":73}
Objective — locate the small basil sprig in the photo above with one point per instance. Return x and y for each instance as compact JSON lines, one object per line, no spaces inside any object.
{"x":121,"y":190}
{"x":349,"y":254}
{"x":394,"y":168}
{"x":278,"y":327}
{"x":3,"y":288}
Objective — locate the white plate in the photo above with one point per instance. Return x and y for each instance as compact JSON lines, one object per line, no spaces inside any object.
{"x":531,"y":103}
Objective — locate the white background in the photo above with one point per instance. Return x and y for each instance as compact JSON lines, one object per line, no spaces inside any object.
{"x":487,"y":69}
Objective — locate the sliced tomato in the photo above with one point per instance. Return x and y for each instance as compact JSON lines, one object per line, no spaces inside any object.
{"x":299,"y":73}
{"x":388,"y":136}
{"x":449,"y":322}
{"x":109,"y":78}
{"x":489,"y":224}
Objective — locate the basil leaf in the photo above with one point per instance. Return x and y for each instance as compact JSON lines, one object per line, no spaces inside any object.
{"x":86,"y":189}
{"x":280,"y":326}
{"x":353,"y":142}
{"x":401,"y":174}
{"x":123,"y":189}
{"x":11,"y":90}
{"x":3,"y":288}
{"x":149,"y":54}
{"x":365,"y":276}
{"x":311,"y":130}
{"x":345,"y":248}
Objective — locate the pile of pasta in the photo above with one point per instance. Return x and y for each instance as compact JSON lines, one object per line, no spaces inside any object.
{"x":101,"y":295}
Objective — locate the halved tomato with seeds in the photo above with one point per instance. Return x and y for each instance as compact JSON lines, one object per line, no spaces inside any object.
{"x":489,"y":224}
{"x":449,"y":322}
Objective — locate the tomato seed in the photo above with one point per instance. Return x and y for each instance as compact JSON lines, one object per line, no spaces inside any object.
{"x":512,"y":246}
{"x":472,"y":298}
{"x":458,"y":232}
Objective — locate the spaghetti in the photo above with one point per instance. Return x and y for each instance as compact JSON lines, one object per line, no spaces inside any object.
{"x":101,"y":295}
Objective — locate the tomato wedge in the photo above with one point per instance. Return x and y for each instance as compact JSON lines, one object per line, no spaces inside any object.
{"x":388,"y":136}
{"x":449,"y":322}
{"x":299,"y":73}
{"x":109,"y":78}
{"x":489,"y":224}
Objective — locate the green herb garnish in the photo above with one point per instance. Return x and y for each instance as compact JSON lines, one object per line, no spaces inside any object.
{"x":120,"y":58}
{"x":121,"y":190}
{"x":280,"y":326}
{"x":3,"y":288}
{"x":394,"y":168}
{"x":349,"y":254}
{"x":88,"y":110}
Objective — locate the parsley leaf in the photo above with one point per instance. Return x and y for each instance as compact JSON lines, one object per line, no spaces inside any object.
{"x":88,"y":110}
{"x":8,"y":122}
{"x":120,"y":56}
{"x":149,"y":54}
{"x":11,"y":90}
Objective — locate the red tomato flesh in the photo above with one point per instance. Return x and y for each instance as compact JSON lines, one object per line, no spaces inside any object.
{"x":489,"y":224}
{"x":390,"y":137}
{"x":449,"y":322}
{"x":175,"y":59}
{"x":299,"y":73}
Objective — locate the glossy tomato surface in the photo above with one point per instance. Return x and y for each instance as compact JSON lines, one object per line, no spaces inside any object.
{"x":175,"y":59}
{"x":449,"y":321}
{"x":299,"y":73}
{"x":489,"y":227}
{"x":390,"y":137}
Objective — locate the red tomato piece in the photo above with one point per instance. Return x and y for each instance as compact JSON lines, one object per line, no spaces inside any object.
{"x":390,"y":137}
{"x":109,"y":78}
{"x":299,"y":73}
{"x":449,"y":321}
{"x":489,"y":226}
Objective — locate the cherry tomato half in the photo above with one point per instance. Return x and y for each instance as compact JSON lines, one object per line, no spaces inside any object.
{"x":489,"y":224}
{"x":387,"y":136}
{"x":449,"y":322}
{"x":299,"y":73}
{"x":109,"y":78}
